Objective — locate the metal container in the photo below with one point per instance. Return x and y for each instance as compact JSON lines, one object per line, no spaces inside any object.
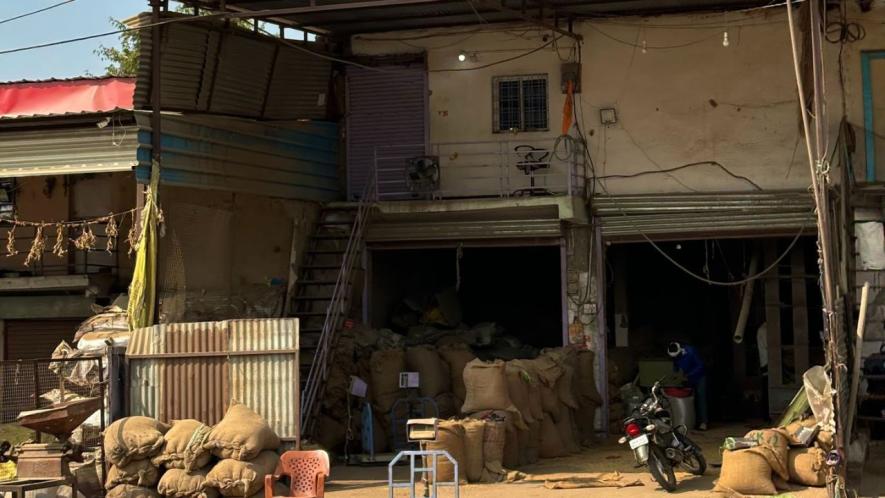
{"x":682,"y":411}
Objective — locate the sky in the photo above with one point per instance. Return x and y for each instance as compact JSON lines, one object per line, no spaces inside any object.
{"x":78,"y":18}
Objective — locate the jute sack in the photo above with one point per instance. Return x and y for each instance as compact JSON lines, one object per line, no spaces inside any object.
{"x":448,"y":405}
{"x":518,"y":380}
{"x":746,"y":473}
{"x":807,"y":466}
{"x":547,"y":368}
{"x":184,"y":446}
{"x":133,"y":438}
{"x":486,"y":384}
{"x":511,"y":448}
{"x":585,"y":378}
{"x":567,"y":433}
{"x":585,"y":417}
{"x":242,"y":434}
{"x":449,"y":437}
{"x":457,"y":356}
{"x":550,"y":402}
{"x":238,"y":478}
{"x":474,"y":460}
{"x":494,"y":437}
{"x":534,"y":390}
{"x":177,"y":483}
{"x":551,"y":441}
{"x":564,"y":389}
{"x":130,"y":491}
{"x":433,"y":372}
{"x":138,"y":473}
{"x":773,"y":445}
{"x":386,"y":366}
{"x":794,"y":428}
{"x":824,"y":440}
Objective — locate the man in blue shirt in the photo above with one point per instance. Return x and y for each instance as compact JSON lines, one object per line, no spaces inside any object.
{"x":687,"y":360}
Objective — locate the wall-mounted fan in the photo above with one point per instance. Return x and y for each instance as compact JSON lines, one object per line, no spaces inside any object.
{"x":422,"y":173}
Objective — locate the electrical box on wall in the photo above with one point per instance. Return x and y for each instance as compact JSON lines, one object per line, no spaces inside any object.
{"x":571,"y":72}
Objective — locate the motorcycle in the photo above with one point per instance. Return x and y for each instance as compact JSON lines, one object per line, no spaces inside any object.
{"x":658,"y":445}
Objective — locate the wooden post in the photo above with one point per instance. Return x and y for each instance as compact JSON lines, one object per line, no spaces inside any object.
{"x":855,"y":371}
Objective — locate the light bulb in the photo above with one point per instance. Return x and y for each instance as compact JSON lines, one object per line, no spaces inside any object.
{"x":462,"y":57}
{"x":644,"y":47}
{"x":725,"y":42}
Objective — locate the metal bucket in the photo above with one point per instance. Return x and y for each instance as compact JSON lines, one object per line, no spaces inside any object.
{"x":682,"y":411}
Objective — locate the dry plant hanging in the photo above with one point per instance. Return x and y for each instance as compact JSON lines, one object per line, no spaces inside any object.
{"x":35,"y":254}
{"x":86,"y":240}
{"x":132,"y":236}
{"x":61,"y":241}
{"x":10,"y":242}
{"x":111,"y":231}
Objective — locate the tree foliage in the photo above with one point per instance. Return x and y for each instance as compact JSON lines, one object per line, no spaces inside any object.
{"x":121,"y":60}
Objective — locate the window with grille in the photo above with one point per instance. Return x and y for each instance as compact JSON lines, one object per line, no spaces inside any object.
{"x":7,"y":198}
{"x":520,"y":103}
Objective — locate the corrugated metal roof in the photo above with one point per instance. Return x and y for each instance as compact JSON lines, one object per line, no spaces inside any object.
{"x":67,"y":150}
{"x":366,"y":16}
{"x":194,"y":370}
{"x":42,"y":98}
{"x":291,"y":160}
{"x":207,"y":68}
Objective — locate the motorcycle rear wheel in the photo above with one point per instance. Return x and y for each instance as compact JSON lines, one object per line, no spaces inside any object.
{"x":661,"y":469}
{"x":695,"y":463}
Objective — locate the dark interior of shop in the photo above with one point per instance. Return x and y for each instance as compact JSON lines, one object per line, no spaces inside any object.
{"x":517,"y":288}
{"x":657,"y":302}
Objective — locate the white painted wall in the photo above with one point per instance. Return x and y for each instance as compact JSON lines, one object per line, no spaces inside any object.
{"x":686,"y":99}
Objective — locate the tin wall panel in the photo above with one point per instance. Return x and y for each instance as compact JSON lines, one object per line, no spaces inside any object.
{"x":66,"y":150}
{"x":191,"y":370}
{"x":207,"y":68}
{"x":385,"y":109}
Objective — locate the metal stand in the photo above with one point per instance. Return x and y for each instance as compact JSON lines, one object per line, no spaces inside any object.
{"x":404,"y":409}
{"x":19,"y":487}
{"x":413,"y":471}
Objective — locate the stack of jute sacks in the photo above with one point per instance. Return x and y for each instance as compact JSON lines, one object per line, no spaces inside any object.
{"x":517,"y":412}
{"x":780,"y":456}
{"x":190,"y":459}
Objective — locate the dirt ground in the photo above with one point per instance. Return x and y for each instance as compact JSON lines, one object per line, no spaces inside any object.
{"x":364,"y":482}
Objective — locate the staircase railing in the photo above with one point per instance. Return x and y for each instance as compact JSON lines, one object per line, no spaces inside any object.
{"x":339,"y":300}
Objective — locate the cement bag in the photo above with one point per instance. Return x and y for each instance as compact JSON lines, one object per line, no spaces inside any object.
{"x":564,"y":388}
{"x":585,"y":378}
{"x":518,"y":380}
{"x":773,"y":445}
{"x":386,"y":366}
{"x":567,"y":434}
{"x":177,"y":483}
{"x":138,"y":472}
{"x":238,"y":478}
{"x":457,"y":357}
{"x":550,"y":402}
{"x":130,"y":491}
{"x":184,"y":446}
{"x":242,"y":434}
{"x":133,"y":438}
{"x":474,"y":461}
{"x":746,"y":473}
{"x":486,"y":384}
{"x":551,"y":441}
{"x":511,"y":448}
{"x":494,"y":437}
{"x":433,"y":373}
{"x":448,"y":405}
{"x":450,"y":437}
{"x":807,"y":466}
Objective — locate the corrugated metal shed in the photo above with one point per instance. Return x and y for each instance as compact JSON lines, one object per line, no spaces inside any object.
{"x":292,"y":161}
{"x":207,"y":68}
{"x":85,"y":148}
{"x":681,"y":216}
{"x":194,"y":370}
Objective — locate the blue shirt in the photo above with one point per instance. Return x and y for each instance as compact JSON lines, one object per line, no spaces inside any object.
{"x":691,"y":365}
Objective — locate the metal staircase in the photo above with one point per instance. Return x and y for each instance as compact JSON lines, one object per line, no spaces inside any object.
{"x":324,"y":294}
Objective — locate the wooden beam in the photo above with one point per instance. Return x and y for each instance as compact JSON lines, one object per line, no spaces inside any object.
{"x":773,"y":320}
{"x":38,"y":307}
{"x":34,"y":284}
{"x":800,"y":314}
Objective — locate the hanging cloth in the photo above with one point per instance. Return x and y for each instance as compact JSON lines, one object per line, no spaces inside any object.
{"x":143,"y":289}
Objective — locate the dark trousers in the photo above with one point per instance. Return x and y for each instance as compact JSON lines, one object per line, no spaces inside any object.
{"x":700,"y":400}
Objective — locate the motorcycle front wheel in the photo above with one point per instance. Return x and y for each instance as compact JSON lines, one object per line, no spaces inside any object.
{"x":661,"y":469}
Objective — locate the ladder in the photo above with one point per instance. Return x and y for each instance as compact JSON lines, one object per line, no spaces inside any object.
{"x":332,"y":251}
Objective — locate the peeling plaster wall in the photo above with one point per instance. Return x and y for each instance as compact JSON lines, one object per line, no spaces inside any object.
{"x":686,"y":99}
{"x":226,"y":255}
